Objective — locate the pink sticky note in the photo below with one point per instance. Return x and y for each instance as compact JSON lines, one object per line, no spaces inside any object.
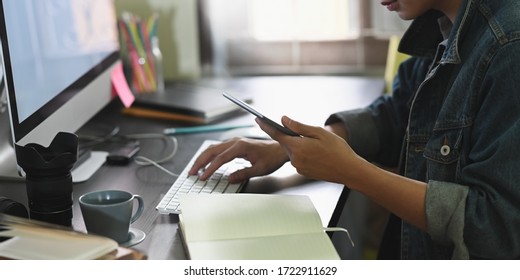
{"x":120,"y":86}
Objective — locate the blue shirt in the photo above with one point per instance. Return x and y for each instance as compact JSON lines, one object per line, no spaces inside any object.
{"x":453,"y":121}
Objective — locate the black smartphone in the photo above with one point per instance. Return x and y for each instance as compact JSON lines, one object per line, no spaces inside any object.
{"x":253,"y":111}
{"x":123,"y":154}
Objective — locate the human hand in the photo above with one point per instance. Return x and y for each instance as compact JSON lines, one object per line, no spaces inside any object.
{"x":265,"y":157}
{"x":318,"y":154}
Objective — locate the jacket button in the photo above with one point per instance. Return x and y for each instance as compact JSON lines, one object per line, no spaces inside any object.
{"x":445,"y":150}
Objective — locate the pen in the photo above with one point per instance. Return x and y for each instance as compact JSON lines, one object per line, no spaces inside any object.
{"x":201,"y":129}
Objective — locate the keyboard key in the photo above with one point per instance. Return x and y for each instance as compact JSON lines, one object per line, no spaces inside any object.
{"x":232,"y":188}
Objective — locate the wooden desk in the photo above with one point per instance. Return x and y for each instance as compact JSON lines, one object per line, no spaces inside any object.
{"x":308,"y":99}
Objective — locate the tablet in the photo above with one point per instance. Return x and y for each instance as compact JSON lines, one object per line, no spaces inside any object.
{"x":251,"y":110}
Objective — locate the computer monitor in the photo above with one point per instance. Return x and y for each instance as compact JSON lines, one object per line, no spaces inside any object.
{"x":57,"y":56}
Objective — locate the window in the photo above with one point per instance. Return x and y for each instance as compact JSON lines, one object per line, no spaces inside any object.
{"x":301,"y":20}
{"x":289,"y":37}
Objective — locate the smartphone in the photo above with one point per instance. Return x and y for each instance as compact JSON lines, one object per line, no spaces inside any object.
{"x":251,"y":110}
{"x":123,"y":154}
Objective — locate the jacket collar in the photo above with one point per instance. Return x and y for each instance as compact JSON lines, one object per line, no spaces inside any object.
{"x":424,"y":35}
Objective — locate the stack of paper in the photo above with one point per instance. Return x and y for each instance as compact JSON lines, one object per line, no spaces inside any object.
{"x":25,"y":239}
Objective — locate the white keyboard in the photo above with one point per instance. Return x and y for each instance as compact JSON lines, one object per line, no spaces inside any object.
{"x":216,"y":184}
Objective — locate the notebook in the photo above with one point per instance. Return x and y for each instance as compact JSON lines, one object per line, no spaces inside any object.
{"x":186,"y":103}
{"x":253,"y":227}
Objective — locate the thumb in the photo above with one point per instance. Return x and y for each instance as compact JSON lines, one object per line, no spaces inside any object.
{"x":300,"y":128}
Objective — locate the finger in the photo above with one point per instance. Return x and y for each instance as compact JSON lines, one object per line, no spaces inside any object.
{"x":242,"y":175}
{"x":300,"y":128}
{"x":202,"y":160}
{"x":274,"y":133}
{"x":217,"y":162}
{"x":207,"y":156}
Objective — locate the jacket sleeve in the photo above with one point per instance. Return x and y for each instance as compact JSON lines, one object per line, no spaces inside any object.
{"x":376,"y":132}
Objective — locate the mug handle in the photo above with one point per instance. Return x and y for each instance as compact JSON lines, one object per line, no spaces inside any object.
{"x":140,"y":208}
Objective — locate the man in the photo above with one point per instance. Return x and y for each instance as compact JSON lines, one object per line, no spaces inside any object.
{"x":451,"y":125}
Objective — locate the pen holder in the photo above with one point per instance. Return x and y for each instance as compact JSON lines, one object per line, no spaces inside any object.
{"x":141,"y":54}
{"x":48,"y":178}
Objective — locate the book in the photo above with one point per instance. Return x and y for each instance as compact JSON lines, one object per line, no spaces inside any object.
{"x":253,"y":227}
{"x":25,"y":239}
{"x":185,"y":103}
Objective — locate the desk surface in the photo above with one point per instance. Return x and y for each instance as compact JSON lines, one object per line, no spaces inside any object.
{"x":309,"y":99}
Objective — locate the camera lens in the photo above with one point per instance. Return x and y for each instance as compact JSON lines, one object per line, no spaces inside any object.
{"x":48,"y":178}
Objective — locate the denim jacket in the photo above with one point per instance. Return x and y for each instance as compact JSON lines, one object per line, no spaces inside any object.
{"x":453,"y":121}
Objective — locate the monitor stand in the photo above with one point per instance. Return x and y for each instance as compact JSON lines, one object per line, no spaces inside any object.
{"x":83,"y":170}
{"x":80,"y":173}
{"x":8,"y":170}
{"x":86,"y":168}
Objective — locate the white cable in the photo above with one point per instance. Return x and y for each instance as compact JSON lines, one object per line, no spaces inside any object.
{"x":140,"y":160}
{"x":144,"y":161}
{"x":343,"y":230}
{"x":152,"y":135}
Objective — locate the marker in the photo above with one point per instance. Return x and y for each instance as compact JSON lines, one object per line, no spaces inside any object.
{"x":201,"y":129}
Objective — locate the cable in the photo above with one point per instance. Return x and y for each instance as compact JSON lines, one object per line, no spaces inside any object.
{"x":173,"y":141}
{"x":96,"y":140}
{"x":144,"y":161}
{"x":335,"y":229}
{"x":139,"y":160}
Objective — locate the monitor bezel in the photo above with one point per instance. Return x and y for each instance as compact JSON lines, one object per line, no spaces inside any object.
{"x":21,"y":128}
